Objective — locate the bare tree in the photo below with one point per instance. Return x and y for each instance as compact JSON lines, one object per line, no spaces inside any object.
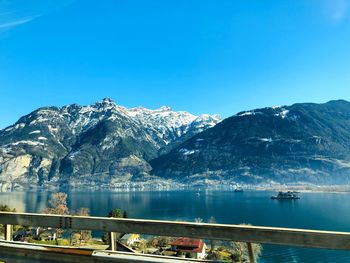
{"x":82,"y":235}
{"x":57,"y":206}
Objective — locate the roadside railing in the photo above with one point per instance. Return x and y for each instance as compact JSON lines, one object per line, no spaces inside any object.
{"x":238,"y":233}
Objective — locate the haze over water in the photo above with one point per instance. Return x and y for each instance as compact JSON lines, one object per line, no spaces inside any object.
{"x":325,"y":211}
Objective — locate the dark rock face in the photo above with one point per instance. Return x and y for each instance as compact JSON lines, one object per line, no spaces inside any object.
{"x":299,"y":143}
{"x":95,"y":145}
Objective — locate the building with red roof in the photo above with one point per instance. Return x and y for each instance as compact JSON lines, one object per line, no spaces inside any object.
{"x":189,"y":247}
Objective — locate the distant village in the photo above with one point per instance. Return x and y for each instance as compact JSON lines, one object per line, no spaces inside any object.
{"x":134,"y":243}
{"x":183,"y":247}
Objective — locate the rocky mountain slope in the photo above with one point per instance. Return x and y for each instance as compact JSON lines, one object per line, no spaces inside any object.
{"x":299,"y":143}
{"x":99,"y":144}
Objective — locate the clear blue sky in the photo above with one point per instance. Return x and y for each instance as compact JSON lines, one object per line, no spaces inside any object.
{"x":200,"y":56}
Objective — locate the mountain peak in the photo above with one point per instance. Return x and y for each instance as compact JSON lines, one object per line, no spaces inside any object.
{"x":107,"y":99}
{"x":106,"y":103}
{"x":165,"y":108}
{"x":49,"y":146}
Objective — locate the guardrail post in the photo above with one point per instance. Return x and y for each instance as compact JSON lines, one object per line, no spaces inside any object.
{"x":8,"y":232}
{"x":251,"y":253}
{"x":112,"y":244}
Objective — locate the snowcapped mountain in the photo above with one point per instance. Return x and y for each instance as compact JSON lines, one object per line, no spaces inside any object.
{"x":304,"y":142}
{"x":169,"y":126}
{"x":94,"y":144}
{"x":105,"y":144}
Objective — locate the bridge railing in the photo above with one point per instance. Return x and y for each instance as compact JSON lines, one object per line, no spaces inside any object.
{"x":237,"y":233}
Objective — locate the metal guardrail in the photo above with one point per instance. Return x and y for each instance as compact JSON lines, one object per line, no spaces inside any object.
{"x":238,"y":233}
{"x":13,"y":251}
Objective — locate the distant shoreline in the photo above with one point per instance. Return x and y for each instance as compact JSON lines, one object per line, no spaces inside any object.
{"x":309,"y":188}
{"x":305,"y":188}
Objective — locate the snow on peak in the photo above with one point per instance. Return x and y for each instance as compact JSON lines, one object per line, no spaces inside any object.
{"x":168,"y":118}
{"x":108,"y":100}
{"x":210,"y":118}
{"x":205,"y":121}
{"x":163,"y":125}
{"x":169,"y":125}
{"x":276,"y":107}
{"x":163,"y":117}
{"x":165,"y":108}
{"x":106,"y":103}
{"x":144,"y":111}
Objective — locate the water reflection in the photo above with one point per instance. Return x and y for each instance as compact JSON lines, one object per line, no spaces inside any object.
{"x":313,"y":211}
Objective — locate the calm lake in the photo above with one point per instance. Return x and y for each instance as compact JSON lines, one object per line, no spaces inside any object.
{"x":326,"y":211}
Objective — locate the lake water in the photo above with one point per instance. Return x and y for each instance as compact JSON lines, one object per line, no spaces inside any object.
{"x":325,"y":211}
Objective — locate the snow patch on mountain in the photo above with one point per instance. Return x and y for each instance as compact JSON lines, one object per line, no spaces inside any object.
{"x":247,"y":113}
{"x":32,"y":143}
{"x":186,"y":152}
{"x":283,"y":113}
{"x":35,"y":132}
{"x":266,"y":139}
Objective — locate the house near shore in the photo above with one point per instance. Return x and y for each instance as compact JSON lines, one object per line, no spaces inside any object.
{"x":131,"y":239}
{"x":189,"y":247}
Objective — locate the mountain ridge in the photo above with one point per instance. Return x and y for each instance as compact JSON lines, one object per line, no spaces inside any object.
{"x":108,"y":145}
{"x":304,"y":142}
{"x":66,"y":145}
